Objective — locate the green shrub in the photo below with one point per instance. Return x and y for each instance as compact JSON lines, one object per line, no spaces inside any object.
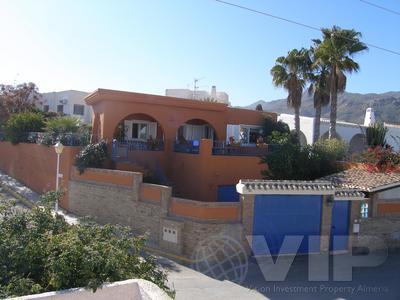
{"x":293,"y":162}
{"x":332,"y":149}
{"x":91,"y":156}
{"x":42,"y":253}
{"x":269,"y":126}
{"x":19,"y":125}
{"x":68,"y":130}
{"x":376,"y":135}
{"x":61,"y":125}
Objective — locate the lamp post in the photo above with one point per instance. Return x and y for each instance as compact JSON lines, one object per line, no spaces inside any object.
{"x":58,"y":147}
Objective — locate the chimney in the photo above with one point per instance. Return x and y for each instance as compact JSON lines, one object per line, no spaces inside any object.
{"x":214,"y":92}
{"x":369,"y":117}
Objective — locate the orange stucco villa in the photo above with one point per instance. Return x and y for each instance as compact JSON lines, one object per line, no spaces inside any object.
{"x":202,"y":149}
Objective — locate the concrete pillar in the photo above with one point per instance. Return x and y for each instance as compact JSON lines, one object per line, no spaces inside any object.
{"x":355,"y":210}
{"x":247,"y":202}
{"x":326,"y":222}
{"x":166,"y":194}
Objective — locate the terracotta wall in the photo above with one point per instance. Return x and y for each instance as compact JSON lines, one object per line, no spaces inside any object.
{"x":111,"y":107}
{"x":35,"y":165}
{"x":388,"y":209}
{"x":197,"y":176}
{"x":223,"y":212}
{"x":156,"y":194}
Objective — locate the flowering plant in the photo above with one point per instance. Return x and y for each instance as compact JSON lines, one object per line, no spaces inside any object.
{"x":381,"y":159}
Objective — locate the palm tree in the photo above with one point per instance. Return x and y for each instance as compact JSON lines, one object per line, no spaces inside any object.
{"x":336,"y":50}
{"x":291,"y":73}
{"x":320,"y":89}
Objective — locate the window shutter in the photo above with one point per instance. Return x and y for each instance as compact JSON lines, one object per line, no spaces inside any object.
{"x":152,"y":130}
{"x":232,"y":130}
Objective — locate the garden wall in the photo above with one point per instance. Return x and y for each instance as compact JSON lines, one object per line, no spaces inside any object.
{"x":377,"y":229}
{"x":173,"y":224}
{"x":35,"y":165}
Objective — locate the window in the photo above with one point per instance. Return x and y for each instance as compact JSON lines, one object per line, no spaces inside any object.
{"x":248,"y":134}
{"x":196,"y":132}
{"x":45,"y":108}
{"x":254,"y":134}
{"x":135,"y":127}
{"x":364,"y":210}
{"x":141,"y":130}
{"x":60,"y":109}
{"x":79,"y":109}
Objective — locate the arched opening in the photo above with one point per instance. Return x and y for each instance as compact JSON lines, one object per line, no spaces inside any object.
{"x":325,"y":136}
{"x":192,"y":131}
{"x":358,"y":143}
{"x":302,"y":138}
{"x":141,"y":131}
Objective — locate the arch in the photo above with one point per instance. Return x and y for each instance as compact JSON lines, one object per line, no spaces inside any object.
{"x":195,"y":129}
{"x":139,"y":126}
{"x":302,"y":138}
{"x":358,"y":143}
{"x":325,"y":136}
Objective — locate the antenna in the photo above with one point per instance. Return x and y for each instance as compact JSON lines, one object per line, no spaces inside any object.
{"x":16,"y":78}
{"x":195,"y":86}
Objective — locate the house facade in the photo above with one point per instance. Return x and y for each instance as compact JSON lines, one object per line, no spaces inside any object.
{"x":200,"y":148}
{"x":352,"y":133}
{"x":70,"y":103}
{"x":213,"y":95}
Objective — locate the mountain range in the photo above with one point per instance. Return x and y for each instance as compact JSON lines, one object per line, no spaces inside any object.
{"x":351,"y":107}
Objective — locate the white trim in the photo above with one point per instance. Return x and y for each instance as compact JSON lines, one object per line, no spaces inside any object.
{"x":349,"y":198}
{"x":241,"y":189}
{"x":384,"y":187}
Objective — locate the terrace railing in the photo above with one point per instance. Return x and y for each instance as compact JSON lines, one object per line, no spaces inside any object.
{"x":222,"y":148}
{"x":192,"y":147}
{"x":134,"y":145}
{"x":120,"y":149}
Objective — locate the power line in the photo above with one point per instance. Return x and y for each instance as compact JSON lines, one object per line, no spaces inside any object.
{"x":298,"y":24}
{"x":380,"y":7}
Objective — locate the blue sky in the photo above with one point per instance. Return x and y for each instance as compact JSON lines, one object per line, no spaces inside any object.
{"x":148,"y":46}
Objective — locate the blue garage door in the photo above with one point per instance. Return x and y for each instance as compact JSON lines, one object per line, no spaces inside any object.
{"x":227,"y":193}
{"x":340,"y":226}
{"x":276,"y":216}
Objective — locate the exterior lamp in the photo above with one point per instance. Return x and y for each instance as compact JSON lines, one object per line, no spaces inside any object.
{"x":58,"y":147}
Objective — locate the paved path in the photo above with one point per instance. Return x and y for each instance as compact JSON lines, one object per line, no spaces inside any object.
{"x":381,"y":282}
{"x":26,"y":196}
{"x":192,"y":285}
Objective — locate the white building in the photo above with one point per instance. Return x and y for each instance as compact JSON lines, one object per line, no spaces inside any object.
{"x":352,"y":133}
{"x":221,"y":97}
{"x":69,"y":102}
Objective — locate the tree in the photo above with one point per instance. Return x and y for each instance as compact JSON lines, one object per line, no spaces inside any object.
{"x":41,"y":252}
{"x":16,"y":99}
{"x":291,"y":73}
{"x":320,"y":89}
{"x":269,"y":126}
{"x":336,"y":50}
{"x":18,"y":126}
{"x":259,"y":107}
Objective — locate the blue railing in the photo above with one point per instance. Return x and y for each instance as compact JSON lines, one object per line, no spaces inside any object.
{"x":192,"y":147}
{"x":221,"y":148}
{"x":134,"y":145}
